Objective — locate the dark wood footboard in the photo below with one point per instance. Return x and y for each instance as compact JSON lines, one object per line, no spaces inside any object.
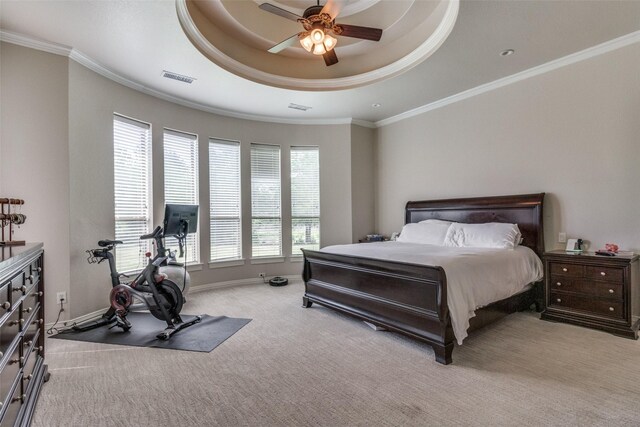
{"x":410,"y":298}
{"x":406,"y":298}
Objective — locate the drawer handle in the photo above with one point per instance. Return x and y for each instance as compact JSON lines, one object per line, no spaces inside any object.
{"x":564,"y":269}
{"x":610,"y":291}
{"x":602,"y":273}
{"x":28,"y":343}
{"x":27,"y":310}
{"x":6,"y":305}
{"x":39,"y":349}
{"x":611,"y":309}
{"x":39,"y":269}
{"x":37,"y":294}
{"x":13,"y":361}
{"x":21,"y":397}
{"x":559,"y":284}
{"x":559,"y":300}
{"x":1,"y":354}
{"x":28,"y":377}
{"x":14,"y":322}
{"x":37,"y":322}
{"x":22,"y":288}
{"x":31,"y":278}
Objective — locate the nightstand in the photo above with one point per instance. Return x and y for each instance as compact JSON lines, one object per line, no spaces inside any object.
{"x":594,"y":291}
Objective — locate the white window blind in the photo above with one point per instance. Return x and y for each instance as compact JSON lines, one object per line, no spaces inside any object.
{"x":305,"y":199}
{"x":266,"y":220}
{"x":224,"y":200}
{"x":181,"y":182}
{"x":132,"y":189}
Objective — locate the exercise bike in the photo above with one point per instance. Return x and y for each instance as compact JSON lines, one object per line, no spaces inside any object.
{"x":151,"y":288}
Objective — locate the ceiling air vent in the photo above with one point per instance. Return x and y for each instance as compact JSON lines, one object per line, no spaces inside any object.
{"x":176,"y":76}
{"x":298,"y":107}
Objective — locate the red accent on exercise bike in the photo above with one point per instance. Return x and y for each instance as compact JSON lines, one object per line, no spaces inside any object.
{"x":159,"y":277}
{"x":120,"y":298}
{"x":148,"y":254}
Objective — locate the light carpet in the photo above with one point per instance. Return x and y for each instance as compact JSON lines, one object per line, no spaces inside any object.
{"x":308,"y":367}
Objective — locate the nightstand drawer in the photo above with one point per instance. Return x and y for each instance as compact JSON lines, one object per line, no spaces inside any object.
{"x":562,"y":269}
{"x":613,"y":309}
{"x":600,"y":289}
{"x":610,"y":274}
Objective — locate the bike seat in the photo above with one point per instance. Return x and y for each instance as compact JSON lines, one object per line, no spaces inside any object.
{"x":104,"y":243}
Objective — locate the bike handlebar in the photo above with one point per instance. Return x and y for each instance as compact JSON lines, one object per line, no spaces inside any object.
{"x":154,"y":234}
{"x":98,"y":255}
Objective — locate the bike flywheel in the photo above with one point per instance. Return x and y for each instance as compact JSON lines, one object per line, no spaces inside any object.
{"x":171,"y":297}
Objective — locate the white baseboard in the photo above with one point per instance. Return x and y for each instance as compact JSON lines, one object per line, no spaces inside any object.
{"x":193,"y":290}
{"x":233,"y":283}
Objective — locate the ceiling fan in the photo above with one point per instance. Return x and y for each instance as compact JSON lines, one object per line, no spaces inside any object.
{"x":319,"y":25}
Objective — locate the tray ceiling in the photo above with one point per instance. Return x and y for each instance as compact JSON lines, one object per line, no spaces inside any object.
{"x":137,"y":40}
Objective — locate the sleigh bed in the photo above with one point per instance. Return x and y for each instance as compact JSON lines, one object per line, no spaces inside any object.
{"x":411,"y":298}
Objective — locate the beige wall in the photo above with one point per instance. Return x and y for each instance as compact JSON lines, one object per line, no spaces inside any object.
{"x":57,"y":124}
{"x":92,"y":101}
{"x":362,"y":181}
{"x":35,"y":156}
{"x":573,"y":133}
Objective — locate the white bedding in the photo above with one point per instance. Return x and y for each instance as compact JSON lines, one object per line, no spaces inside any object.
{"x":475,"y":276}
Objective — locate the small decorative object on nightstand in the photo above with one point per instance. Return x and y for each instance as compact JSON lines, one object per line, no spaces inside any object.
{"x":373,"y":238}
{"x":593,"y":291}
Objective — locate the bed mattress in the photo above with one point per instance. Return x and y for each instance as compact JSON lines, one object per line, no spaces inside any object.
{"x":476,"y":277}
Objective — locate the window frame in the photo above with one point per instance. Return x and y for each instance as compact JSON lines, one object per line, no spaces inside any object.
{"x":212,"y":217}
{"x":195,"y":140}
{"x":257,"y":259}
{"x":294,"y":217}
{"x":143,"y":245}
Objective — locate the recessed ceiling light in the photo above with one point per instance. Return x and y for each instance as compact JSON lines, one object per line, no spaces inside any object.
{"x":507,"y":52}
{"x":376,"y":105}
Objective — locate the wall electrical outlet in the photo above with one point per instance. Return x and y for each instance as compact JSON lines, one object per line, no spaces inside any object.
{"x":262,"y":275}
{"x":61,"y":296}
{"x":562,"y":237}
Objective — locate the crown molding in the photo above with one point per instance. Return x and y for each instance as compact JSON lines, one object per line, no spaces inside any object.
{"x":84,"y":60}
{"x":33,"y":43}
{"x":90,"y":63}
{"x":573,"y":58}
{"x":363,"y":123}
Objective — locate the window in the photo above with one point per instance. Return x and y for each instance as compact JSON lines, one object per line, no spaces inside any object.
{"x":305,"y":199}
{"x":266,"y":221}
{"x":224,"y":200}
{"x":132,"y":189}
{"x":181,"y":181}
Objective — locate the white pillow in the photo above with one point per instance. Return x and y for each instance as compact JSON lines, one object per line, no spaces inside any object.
{"x":435,"y":221}
{"x":489,"y":235}
{"x":426,"y":233}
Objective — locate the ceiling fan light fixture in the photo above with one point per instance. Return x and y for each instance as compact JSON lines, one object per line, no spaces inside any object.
{"x":329,"y":42}
{"x":317,"y":35}
{"x":306,"y":42}
{"x":319,"y":49}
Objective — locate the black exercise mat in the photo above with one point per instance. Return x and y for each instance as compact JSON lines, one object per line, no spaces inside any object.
{"x":203,"y":336}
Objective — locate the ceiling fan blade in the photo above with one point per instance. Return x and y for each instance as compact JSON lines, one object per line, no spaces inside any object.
{"x":357,"y":32}
{"x":279,"y":11}
{"x":330,"y":57}
{"x":333,"y":7}
{"x":291,"y":41}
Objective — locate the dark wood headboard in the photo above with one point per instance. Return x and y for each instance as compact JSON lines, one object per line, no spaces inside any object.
{"x":524,"y":210}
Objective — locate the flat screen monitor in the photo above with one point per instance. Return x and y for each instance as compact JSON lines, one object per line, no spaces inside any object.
{"x":174,"y":215}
